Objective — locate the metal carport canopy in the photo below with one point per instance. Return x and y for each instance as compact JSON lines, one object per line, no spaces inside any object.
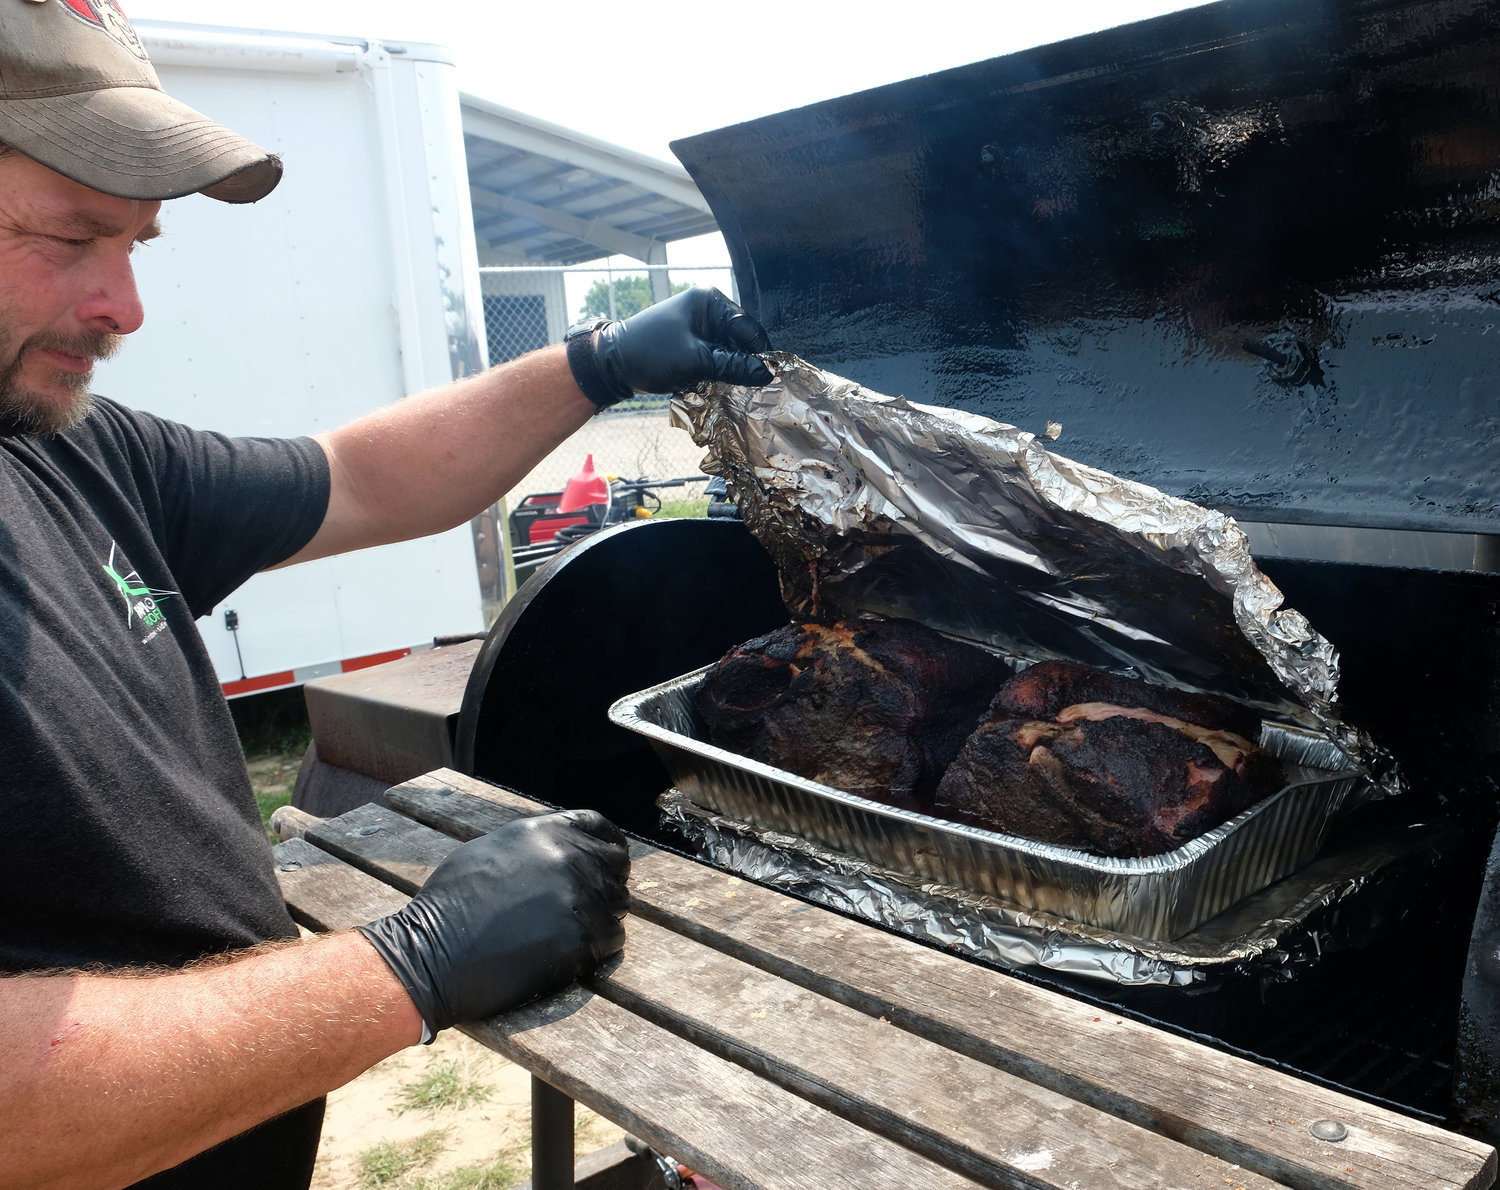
{"x":544,"y":194}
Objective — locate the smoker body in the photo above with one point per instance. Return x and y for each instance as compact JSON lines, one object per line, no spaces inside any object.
{"x":1248,"y":254}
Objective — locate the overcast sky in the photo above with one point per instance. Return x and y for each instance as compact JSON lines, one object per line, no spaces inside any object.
{"x":643,"y":74}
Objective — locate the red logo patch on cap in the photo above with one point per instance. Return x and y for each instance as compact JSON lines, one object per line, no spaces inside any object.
{"x":110,"y":17}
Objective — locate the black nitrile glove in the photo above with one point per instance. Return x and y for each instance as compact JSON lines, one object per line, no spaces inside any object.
{"x":673,"y":346}
{"x":506,"y":917}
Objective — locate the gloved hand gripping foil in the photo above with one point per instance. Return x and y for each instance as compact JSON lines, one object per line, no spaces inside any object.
{"x":872,"y":505}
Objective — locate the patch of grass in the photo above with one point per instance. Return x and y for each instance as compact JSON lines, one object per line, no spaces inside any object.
{"x":496,"y":1175}
{"x":445,"y":1085}
{"x":269,"y":803}
{"x":387,"y":1163}
{"x":683,"y":508}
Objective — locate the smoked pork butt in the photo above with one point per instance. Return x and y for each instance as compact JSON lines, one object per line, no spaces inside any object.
{"x":876,"y":708}
{"x":1071,"y":755}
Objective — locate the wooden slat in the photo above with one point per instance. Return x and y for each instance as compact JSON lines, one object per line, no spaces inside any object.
{"x":740,"y":1130}
{"x":455,"y":805}
{"x":1227,"y":1106}
{"x":965,"y":1115}
{"x":459,"y":812}
{"x":288,"y":822}
{"x":376,"y":839}
{"x":984,"y":1123}
{"x":478,"y":809}
{"x":736,"y":1128}
{"x":325,"y":894}
{"x":1245,"y":1113}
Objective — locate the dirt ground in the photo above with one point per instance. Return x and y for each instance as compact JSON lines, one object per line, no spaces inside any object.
{"x":476,"y":1133}
{"x":492,"y":1136}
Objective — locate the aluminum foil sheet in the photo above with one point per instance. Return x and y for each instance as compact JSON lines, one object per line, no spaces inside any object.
{"x":1157,"y":897}
{"x":873,"y":505}
{"x":1275,"y":933}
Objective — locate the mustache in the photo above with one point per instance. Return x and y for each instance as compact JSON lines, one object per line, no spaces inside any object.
{"x":94,"y":345}
{"x":23,"y":412}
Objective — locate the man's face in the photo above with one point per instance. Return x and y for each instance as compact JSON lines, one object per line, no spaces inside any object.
{"x":67,"y":291}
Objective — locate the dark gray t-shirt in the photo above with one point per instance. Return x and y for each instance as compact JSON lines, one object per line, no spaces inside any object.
{"x":132,"y":833}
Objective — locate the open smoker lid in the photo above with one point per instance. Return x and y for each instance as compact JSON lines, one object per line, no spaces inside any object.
{"x":1246,"y":254}
{"x":870,"y":505}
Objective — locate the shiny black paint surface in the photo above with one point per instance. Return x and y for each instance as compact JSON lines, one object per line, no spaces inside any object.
{"x":1249,"y":253}
{"x":613,"y":614}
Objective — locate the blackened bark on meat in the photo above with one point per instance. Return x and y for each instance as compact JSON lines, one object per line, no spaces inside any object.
{"x":1043,"y":690}
{"x":877,"y":708}
{"x":994,"y":783}
{"x":1087,"y":759}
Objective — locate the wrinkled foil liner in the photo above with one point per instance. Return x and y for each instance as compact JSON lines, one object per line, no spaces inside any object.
{"x":1154,"y":897}
{"x":1270,"y":935}
{"x":977,"y":925}
{"x":872,"y":505}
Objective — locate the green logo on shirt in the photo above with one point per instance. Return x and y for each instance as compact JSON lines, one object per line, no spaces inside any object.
{"x":140,"y":600}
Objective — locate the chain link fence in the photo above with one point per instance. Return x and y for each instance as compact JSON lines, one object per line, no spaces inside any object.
{"x":527,"y":307}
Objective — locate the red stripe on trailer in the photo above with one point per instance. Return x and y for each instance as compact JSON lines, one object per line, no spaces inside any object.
{"x":307,"y":673}
{"x":264,"y":682}
{"x":373,"y":659}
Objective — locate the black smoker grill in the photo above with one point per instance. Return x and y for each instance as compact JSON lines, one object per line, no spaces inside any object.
{"x":1249,"y":254}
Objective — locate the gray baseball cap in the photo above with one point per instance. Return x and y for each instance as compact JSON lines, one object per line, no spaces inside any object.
{"x":79,"y":95}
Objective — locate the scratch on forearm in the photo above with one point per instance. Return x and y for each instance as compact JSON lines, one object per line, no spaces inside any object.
{"x":68,"y":1033}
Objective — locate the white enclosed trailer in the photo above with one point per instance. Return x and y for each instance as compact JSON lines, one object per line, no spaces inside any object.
{"x":354,"y":284}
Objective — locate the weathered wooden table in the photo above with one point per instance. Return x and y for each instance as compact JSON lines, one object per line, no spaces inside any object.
{"x":768,"y":1043}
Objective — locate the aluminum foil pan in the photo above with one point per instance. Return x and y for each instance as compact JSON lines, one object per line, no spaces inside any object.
{"x":1154,"y":897}
{"x":874,"y":506}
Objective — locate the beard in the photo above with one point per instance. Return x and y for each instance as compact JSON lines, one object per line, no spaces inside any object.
{"x":23,"y":410}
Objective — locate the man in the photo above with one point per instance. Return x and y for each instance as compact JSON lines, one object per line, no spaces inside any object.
{"x":154,"y":1004}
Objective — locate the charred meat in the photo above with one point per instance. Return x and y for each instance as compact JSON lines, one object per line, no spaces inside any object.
{"x":877,"y":708}
{"x":1075,"y":756}
{"x":1044,"y":690}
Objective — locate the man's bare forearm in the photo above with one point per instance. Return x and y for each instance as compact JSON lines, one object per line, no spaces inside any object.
{"x":109,"y":1078}
{"x":434,"y":460}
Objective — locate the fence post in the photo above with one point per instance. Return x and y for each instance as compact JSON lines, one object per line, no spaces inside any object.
{"x":661,"y":283}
